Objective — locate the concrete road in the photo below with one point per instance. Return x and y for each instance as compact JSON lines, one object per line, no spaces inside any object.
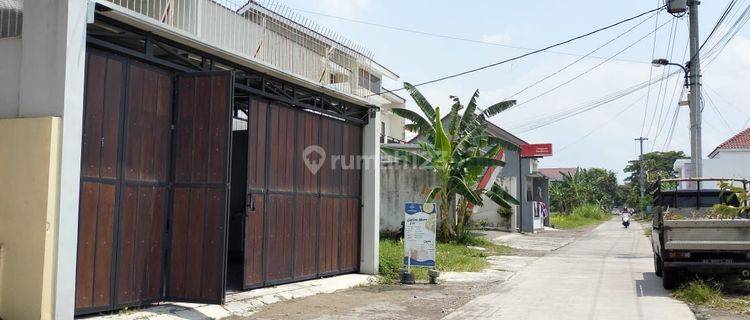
{"x":606,"y":274}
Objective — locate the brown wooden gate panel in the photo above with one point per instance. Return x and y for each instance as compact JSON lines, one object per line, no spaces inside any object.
{"x":300,"y":224}
{"x":253,"y":266}
{"x":201,"y":180}
{"x":143,"y":200}
{"x":99,"y":182}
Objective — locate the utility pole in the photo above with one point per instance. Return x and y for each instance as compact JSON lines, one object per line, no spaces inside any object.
{"x":694,"y":99}
{"x":641,"y":175}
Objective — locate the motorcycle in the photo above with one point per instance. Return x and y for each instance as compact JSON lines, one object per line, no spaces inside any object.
{"x":626,"y":221}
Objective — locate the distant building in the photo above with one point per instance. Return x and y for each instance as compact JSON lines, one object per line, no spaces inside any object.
{"x":729,"y":159}
{"x":519,"y":177}
{"x":556,"y":174}
{"x":391,"y":125}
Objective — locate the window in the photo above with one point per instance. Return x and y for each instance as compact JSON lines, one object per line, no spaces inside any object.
{"x":369,"y":81}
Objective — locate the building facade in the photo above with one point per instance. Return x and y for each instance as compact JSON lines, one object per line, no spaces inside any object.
{"x":728,"y":160}
{"x":519,"y":177}
{"x":168,"y":150}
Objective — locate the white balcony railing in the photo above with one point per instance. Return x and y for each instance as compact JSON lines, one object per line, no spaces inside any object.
{"x":267,"y":33}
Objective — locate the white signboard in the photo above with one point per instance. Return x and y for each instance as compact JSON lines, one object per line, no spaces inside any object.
{"x":420,"y":224}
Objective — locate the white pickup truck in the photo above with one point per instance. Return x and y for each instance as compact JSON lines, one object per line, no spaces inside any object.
{"x":685,"y":238}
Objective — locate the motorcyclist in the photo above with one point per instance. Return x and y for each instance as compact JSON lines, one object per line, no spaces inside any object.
{"x":626,"y":219}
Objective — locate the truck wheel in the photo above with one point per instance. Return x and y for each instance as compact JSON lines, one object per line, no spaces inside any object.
{"x":669,"y":278}
{"x":657,"y":266}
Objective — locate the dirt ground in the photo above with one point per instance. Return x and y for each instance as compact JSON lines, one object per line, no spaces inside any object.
{"x":420,"y":301}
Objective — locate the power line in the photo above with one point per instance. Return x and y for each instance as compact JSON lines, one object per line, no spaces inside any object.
{"x":450,"y":37}
{"x":668,"y":141}
{"x":659,"y":95}
{"x":525,"y":54}
{"x":672,"y":103}
{"x":578,"y":109}
{"x":581,"y":58}
{"x":602,"y":124}
{"x":718,"y":112}
{"x":590,"y":69}
{"x":650,"y":75}
{"x":716,"y":93}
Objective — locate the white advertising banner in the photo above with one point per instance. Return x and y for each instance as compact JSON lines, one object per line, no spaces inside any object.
{"x":420,"y":225}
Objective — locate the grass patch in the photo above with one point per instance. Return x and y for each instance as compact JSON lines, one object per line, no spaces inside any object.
{"x":647,"y":231}
{"x":450,"y":257}
{"x":582,"y":216}
{"x":711,"y":294}
{"x":699,"y":292}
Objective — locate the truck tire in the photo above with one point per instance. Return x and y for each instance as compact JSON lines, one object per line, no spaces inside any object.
{"x":669,"y":278}
{"x":657,"y":266}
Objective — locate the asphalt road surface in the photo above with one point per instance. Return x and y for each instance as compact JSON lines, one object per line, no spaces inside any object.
{"x":605,"y":274}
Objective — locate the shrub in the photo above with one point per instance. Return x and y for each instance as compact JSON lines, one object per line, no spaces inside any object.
{"x":589,"y":211}
{"x":699,"y":292}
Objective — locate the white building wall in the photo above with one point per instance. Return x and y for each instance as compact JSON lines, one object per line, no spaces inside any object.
{"x":399,"y":185}
{"x":725,"y":165}
{"x":487,"y":215}
{"x":10,"y":75}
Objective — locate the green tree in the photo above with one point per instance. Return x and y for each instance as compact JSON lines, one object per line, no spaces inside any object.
{"x":585,"y":186}
{"x":459,"y":152}
{"x":656,"y":165}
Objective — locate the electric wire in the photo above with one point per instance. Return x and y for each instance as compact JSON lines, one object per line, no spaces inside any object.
{"x":673,"y":125}
{"x":716,"y":94}
{"x":450,"y":37}
{"x":602,"y":125}
{"x":587,"y":71}
{"x":584,"y":107}
{"x":455,"y":75}
{"x":717,"y":111}
{"x":668,"y":104}
{"x":581,"y":58}
{"x":650,"y":75}
{"x":659,"y":95}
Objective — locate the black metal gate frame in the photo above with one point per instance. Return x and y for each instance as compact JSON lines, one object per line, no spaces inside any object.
{"x":247,"y":81}
{"x":141,"y":45}
{"x":266,"y":193}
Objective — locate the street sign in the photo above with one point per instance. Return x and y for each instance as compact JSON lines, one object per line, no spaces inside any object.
{"x":420,"y":225}
{"x":536,"y":150}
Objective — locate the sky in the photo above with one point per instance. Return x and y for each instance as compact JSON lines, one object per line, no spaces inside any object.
{"x":602,"y":137}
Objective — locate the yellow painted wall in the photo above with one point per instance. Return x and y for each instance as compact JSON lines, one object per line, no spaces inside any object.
{"x":29,"y":173}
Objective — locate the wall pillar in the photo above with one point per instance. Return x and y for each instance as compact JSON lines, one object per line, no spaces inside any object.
{"x":52,"y":82}
{"x":370,"y":236}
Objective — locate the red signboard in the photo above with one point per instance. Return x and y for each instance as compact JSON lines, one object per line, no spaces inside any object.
{"x":536,"y":150}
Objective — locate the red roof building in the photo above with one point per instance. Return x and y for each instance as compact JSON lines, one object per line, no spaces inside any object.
{"x":740,"y":142}
{"x":556,"y":174}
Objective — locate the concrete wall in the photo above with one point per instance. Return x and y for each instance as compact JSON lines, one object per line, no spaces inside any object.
{"x":29,"y":171}
{"x":394,"y":125}
{"x":730,"y":154}
{"x":53,"y":64}
{"x":724,"y":165}
{"x":10,"y":76}
{"x":487,"y":215}
{"x":370,"y":226}
{"x":399,"y":185}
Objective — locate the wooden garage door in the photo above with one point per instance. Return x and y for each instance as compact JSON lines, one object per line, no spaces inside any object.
{"x":151,"y":205}
{"x":201,"y":187}
{"x":124,"y":179}
{"x":300,"y":223}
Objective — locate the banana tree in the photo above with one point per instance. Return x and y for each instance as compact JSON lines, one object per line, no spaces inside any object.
{"x":459,"y":152}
